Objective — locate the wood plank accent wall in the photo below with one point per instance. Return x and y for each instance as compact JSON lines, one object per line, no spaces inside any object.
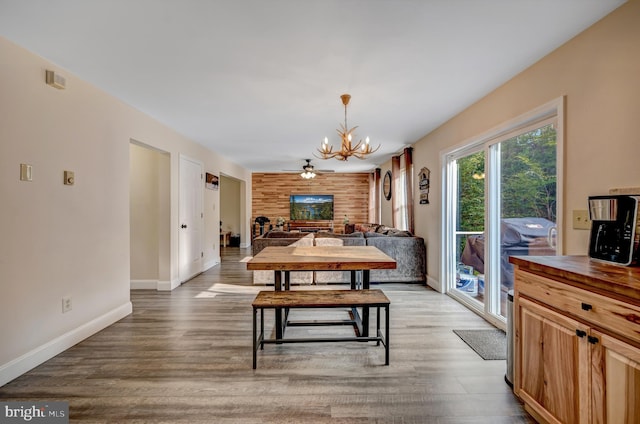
{"x":270,"y":195}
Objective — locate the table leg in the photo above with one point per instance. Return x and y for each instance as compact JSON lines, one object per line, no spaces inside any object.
{"x":287,"y":287}
{"x":278,"y":287}
{"x":365,"y":310}
{"x":261,"y":328}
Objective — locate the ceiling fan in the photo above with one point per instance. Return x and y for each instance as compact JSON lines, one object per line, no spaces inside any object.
{"x":309,"y":169}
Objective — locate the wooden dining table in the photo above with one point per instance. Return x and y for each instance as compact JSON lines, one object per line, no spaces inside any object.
{"x":284,"y":259}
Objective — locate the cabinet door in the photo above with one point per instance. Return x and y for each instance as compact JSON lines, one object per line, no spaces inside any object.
{"x":616,"y":381}
{"x":554,"y":370}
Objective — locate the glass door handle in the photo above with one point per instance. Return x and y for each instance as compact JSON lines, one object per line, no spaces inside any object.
{"x":551,"y":237}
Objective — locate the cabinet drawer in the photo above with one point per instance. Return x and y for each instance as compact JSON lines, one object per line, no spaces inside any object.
{"x":600,"y":311}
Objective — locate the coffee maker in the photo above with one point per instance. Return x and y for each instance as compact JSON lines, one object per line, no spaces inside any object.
{"x":615,"y":229}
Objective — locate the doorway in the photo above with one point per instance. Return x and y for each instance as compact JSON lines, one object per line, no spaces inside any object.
{"x":231,"y":210}
{"x":149,"y":217}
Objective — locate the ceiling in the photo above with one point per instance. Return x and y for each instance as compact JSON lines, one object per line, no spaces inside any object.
{"x":259,"y":82}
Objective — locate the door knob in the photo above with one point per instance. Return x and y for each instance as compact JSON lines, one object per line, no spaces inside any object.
{"x":183,"y":226}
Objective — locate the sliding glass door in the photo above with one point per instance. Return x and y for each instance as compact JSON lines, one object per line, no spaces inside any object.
{"x":500,"y":199}
{"x":469,"y":195}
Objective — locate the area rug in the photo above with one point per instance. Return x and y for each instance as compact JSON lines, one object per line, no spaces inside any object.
{"x":489,"y":344}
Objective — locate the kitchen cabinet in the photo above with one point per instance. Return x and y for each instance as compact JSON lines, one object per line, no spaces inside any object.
{"x":577,"y":340}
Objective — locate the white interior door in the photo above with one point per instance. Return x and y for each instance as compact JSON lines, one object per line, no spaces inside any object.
{"x":191,"y":218}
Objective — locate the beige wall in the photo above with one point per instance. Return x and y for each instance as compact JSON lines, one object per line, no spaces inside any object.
{"x":599,"y":73}
{"x":59,"y":240}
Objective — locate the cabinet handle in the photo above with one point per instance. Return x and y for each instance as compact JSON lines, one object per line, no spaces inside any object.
{"x":586,"y":306}
{"x":592,"y":340}
{"x":581,"y":333}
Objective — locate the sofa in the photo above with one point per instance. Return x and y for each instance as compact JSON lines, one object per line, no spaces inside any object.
{"x":282,"y":238}
{"x":407,"y":249}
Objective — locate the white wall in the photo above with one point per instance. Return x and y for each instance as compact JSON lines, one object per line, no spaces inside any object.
{"x":598,"y":72}
{"x":73,"y":241}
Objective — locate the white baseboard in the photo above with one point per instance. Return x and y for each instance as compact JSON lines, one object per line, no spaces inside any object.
{"x":153,"y":285}
{"x":435,"y":284}
{"x":168,"y":285}
{"x":211,"y":264}
{"x":144,"y":284}
{"x":37,"y":356}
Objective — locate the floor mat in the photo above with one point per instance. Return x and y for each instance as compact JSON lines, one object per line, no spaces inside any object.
{"x":489,"y":344}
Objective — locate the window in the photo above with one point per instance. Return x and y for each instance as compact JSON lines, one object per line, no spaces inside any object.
{"x":401,"y":211}
{"x":402,"y":191}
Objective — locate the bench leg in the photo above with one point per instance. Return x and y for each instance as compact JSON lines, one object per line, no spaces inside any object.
{"x":386,"y":335}
{"x":278,"y":287}
{"x":255,"y":341}
{"x":378,"y":324}
{"x":258,"y":340}
{"x":261,"y":328}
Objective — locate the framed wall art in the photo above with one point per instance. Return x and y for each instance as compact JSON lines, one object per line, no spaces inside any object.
{"x":211,"y":181}
{"x":423,"y":184}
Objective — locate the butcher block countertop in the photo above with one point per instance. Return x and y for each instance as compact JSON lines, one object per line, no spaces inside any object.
{"x":621,"y":282}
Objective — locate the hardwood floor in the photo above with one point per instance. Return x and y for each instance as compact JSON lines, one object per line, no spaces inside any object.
{"x":185,"y":356}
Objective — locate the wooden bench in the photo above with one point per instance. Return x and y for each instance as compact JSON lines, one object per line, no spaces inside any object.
{"x":306,"y":299}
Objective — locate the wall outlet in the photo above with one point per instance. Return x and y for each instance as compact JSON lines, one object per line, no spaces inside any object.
{"x":581,"y":220}
{"x":66,"y":304}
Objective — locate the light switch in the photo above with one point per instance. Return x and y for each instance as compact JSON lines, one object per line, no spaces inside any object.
{"x":26,"y":172}
{"x":69,"y":178}
{"x":581,"y":220}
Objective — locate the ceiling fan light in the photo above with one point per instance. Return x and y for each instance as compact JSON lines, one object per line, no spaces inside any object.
{"x":308,"y":170}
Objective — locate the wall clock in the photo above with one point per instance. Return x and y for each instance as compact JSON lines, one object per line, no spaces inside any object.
{"x":386,"y":185}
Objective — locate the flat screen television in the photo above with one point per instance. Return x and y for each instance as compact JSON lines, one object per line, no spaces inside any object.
{"x":311,"y":207}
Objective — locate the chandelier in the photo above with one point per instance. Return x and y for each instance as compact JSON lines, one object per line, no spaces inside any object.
{"x":359,"y":150}
{"x":308,"y":171}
